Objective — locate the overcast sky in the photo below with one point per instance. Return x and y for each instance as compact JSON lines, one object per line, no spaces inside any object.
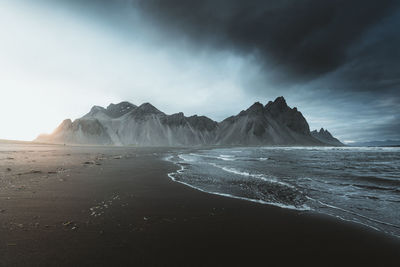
{"x":338,"y":62}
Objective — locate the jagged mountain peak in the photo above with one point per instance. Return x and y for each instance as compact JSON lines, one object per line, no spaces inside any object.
{"x":121,"y":105}
{"x":256,"y":108}
{"x":146,"y":109}
{"x":120,"y":109}
{"x":326,"y":137}
{"x":112,"y":111}
{"x":280,"y":99}
{"x":322,"y":131}
{"x":95,"y":111}
{"x":277,"y":106}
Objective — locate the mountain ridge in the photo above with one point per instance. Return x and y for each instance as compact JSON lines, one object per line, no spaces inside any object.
{"x":127,"y":124}
{"x":325,"y":136}
{"x":377,"y":143}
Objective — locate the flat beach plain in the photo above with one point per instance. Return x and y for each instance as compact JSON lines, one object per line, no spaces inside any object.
{"x":116,"y":206}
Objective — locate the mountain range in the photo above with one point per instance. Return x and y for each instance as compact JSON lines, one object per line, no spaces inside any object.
{"x":127,"y":124}
{"x":326,"y":137}
{"x":382,"y":143}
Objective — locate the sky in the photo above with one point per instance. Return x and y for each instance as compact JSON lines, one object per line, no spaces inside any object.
{"x":338,"y":62}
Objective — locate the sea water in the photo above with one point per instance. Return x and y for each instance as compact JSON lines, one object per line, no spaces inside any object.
{"x":355,"y":184}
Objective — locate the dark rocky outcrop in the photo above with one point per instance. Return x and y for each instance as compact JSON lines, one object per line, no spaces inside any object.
{"x":326,"y":137}
{"x":118,"y":110}
{"x":273,"y":124}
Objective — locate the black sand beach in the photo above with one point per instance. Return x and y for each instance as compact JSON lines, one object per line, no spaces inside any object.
{"x":110,"y":206}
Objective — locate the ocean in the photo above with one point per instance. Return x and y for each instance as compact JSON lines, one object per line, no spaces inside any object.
{"x":361,"y":185}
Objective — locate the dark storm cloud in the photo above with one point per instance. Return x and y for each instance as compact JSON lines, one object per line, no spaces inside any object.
{"x":300,"y":40}
{"x":336,"y":51}
{"x":295,"y":41}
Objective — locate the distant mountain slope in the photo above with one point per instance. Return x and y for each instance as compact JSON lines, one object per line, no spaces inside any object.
{"x":326,"y":137}
{"x":81,"y":131}
{"x":127,"y":124}
{"x":387,"y":143}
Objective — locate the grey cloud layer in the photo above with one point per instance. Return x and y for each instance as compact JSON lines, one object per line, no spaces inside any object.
{"x":331,"y":50}
{"x":301,"y":39}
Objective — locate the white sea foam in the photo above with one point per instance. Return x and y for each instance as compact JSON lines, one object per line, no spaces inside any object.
{"x":354,"y":213}
{"x":301,"y":208}
{"x":254,"y":175}
{"x":226,"y":157}
{"x":346,"y":200}
{"x":168,"y":158}
{"x":186,"y":158}
{"x":182,"y":169}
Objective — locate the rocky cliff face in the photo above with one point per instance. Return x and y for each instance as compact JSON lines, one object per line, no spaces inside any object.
{"x":273,"y":124}
{"x":126,"y":124}
{"x":326,"y":137}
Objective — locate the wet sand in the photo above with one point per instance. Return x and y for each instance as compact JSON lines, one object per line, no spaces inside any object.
{"x":110,"y":206}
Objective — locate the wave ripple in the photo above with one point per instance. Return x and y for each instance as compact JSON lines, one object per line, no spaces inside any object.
{"x":354,"y":184}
